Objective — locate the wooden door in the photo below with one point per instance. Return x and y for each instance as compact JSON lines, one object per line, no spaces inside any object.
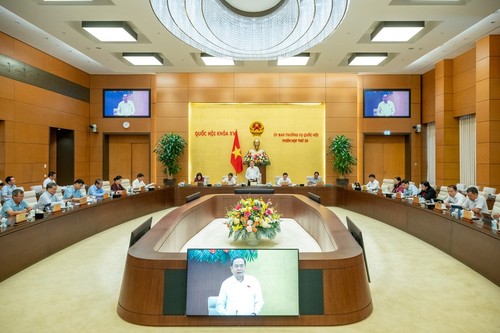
{"x":129,"y":155}
{"x":385,"y":156}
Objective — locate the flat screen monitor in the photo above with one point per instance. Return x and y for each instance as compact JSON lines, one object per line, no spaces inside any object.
{"x":140,"y":231}
{"x":253,"y":190}
{"x":358,"y":236}
{"x":386,"y":103}
{"x":269,"y":287}
{"x":126,"y":103}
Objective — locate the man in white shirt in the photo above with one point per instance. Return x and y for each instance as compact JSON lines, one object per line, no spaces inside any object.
{"x":50,"y":179}
{"x":138,"y":182}
{"x":284,"y":180}
{"x":386,"y":107}
{"x":454,"y":197}
{"x":253,"y":173}
{"x":230,"y":180}
{"x":373,"y":184}
{"x":240,"y":294}
{"x":125,"y":107}
{"x":8,"y":188}
{"x":48,"y":198}
{"x":315,"y":180}
{"x":475,"y":202}
{"x":410,"y":189}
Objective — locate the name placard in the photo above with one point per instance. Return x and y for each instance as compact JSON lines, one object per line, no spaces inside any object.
{"x":21,"y":217}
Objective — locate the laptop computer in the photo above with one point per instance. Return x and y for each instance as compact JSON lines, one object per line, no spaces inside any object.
{"x":486,"y":218}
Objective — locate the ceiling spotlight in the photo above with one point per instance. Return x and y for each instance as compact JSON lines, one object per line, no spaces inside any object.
{"x":143,"y":59}
{"x":366,"y":59}
{"x":396,"y":31}
{"x":112,"y":31}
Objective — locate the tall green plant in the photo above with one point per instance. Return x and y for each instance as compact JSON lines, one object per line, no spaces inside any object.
{"x":343,"y":160}
{"x":169,"y":149}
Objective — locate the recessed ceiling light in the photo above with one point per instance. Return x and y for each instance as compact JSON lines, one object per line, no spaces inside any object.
{"x":113,"y":31}
{"x":208,"y":60}
{"x":143,"y":59}
{"x":366,"y":59}
{"x":298,"y":60}
{"x":396,"y":31}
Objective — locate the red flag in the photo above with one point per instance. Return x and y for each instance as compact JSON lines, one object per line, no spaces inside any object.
{"x":236,"y":158}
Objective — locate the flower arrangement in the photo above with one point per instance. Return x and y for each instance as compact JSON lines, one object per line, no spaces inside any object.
{"x":259,"y":158}
{"x":221,"y":255}
{"x":253,"y":216}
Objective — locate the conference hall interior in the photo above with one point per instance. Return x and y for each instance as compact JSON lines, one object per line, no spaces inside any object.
{"x":413,"y":86}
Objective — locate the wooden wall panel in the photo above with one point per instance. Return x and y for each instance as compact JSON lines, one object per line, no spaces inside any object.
{"x":211,"y":95}
{"x":210,"y":80}
{"x":256,"y":95}
{"x":172,"y":80}
{"x":257,"y":80}
{"x":302,"y":95}
{"x":302,"y":80}
{"x":171,"y":95}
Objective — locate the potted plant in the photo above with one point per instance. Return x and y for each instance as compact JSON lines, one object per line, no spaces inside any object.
{"x":169,"y":149}
{"x":343,"y":160}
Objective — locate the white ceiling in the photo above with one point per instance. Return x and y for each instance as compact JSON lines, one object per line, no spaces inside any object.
{"x":55,"y":28}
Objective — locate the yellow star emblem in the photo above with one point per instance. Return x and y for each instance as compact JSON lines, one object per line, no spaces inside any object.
{"x":236,"y":152}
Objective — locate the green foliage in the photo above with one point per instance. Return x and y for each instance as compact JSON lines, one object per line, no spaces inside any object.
{"x":169,"y":149}
{"x":222,"y":256}
{"x":343,"y":160}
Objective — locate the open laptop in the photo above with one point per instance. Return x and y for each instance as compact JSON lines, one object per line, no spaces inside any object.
{"x":456,"y":208}
{"x":486,"y":218}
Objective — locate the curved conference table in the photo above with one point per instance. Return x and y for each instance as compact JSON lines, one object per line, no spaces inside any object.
{"x":333,"y":283}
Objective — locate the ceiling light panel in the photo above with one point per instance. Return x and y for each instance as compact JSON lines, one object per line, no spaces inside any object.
{"x":143,"y":59}
{"x":396,"y":31}
{"x":298,"y":60}
{"x":208,"y":60}
{"x":110,"y":31}
{"x":366,"y":59}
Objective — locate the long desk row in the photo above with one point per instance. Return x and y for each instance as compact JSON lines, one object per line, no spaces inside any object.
{"x":473,"y":244}
{"x":23,"y":245}
{"x":29,"y":242}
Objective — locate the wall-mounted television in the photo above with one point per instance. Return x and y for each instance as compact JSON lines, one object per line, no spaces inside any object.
{"x":386,"y":103}
{"x":126,"y":103}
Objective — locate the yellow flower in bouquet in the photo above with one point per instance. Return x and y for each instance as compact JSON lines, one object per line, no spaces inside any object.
{"x":253,"y":215}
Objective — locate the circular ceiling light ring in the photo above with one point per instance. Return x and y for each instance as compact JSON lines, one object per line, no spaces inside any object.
{"x":252,"y":8}
{"x":292,"y":28}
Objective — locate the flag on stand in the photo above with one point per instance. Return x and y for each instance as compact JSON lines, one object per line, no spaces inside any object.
{"x":236,"y":158}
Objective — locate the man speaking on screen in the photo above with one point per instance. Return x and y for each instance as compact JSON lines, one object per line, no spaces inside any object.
{"x":125,"y":107}
{"x":385,"y":107}
{"x":240,"y":294}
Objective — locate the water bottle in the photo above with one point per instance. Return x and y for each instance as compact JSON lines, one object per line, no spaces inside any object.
{"x":494,"y":225}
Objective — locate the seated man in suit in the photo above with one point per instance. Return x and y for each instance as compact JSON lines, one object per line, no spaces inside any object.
{"x":284,"y":180}
{"x":475,"y":202}
{"x":15,"y":205}
{"x":96,"y":190}
{"x":454,"y":197}
{"x":48,"y":198}
{"x":73,"y":192}
{"x":315,"y":180}
{"x":9,"y":187}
